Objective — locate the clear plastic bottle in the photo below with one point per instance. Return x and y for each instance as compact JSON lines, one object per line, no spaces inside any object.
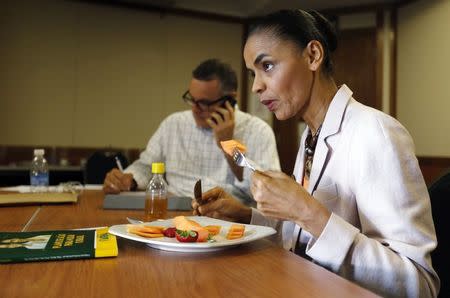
{"x":156,"y":194}
{"x":39,"y":172}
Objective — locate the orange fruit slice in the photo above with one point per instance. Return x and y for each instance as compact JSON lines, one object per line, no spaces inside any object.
{"x":236,"y":231}
{"x":228,"y":146}
{"x":213,"y":230}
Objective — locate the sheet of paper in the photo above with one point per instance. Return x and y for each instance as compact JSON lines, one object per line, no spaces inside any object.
{"x":93,"y":186}
{"x":45,"y":197}
{"x":52,"y":188}
{"x":18,"y":188}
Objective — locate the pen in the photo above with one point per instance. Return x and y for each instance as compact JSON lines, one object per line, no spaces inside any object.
{"x":119,"y":164}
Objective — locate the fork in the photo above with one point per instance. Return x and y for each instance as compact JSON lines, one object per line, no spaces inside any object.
{"x":240,"y":159}
{"x":137,"y":221}
{"x":134,"y":221}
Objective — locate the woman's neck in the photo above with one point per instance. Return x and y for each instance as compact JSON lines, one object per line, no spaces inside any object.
{"x":321,"y":97}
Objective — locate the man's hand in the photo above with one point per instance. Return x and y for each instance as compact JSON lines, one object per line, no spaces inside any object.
{"x":223,"y":128}
{"x":222,"y":123}
{"x":116,"y":181}
{"x":219,"y":204}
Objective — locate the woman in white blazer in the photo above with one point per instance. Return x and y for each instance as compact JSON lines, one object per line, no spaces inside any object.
{"x":359,"y":205}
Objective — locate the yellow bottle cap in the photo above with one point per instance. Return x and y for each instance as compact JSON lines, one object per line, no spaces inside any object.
{"x":158,"y":168}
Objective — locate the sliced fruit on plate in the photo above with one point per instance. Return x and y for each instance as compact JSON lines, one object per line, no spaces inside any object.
{"x":213,"y":230}
{"x":186,"y":236}
{"x":170,"y":232}
{"x":147,"y":235}
{"x":236,"y":231}
{"x":146,"y":231}
{"x":185,"y":224}
{"x":202,"y":235}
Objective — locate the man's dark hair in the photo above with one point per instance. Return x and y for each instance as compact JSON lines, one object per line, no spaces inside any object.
{"x":212,"y":69}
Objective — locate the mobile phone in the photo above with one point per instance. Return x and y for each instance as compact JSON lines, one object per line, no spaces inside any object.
{"x":231,"y":100}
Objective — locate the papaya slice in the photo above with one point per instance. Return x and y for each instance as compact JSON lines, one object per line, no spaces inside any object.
{"x":146,"y":231}
{"x":203,"y":235}
{"x":228,"y":146}
{"x":147,"y":235}
{"x":213,"y":230}
{"x":235,"y":231}
{"x":185,"y":224}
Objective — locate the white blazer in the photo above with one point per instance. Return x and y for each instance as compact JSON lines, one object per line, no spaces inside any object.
{"x":365,"y":171}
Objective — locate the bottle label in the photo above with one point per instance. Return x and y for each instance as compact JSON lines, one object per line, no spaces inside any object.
{"x":39,"y":179}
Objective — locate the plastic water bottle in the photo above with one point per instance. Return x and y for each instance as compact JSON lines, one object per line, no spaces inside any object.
{"x":39,"y":172}
{"x":156,"y":194}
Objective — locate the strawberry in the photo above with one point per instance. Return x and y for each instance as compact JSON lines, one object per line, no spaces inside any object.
{"x":170,"y":232}
{"x":186,"y":236}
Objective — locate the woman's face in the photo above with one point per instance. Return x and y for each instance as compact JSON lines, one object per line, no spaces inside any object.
{"x":282,"y":77}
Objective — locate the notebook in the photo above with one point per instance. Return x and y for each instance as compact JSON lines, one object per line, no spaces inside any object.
{"x":56,"y":245}
{"x":136,"y":200}
{"x":33,"y":198}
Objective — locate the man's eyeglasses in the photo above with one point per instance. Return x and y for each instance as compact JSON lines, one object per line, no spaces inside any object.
{"x":205,"y":104}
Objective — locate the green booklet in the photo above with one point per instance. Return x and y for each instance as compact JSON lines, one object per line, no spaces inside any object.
{"x":56,"y":245}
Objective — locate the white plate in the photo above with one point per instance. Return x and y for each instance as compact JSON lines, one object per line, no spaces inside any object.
{"x":251,"y":233}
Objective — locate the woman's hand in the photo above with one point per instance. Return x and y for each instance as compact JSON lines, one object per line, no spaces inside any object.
{"x":279,"y":196}
{"x":219,"y":204}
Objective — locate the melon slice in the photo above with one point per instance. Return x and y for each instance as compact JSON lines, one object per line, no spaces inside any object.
{"x":236,"y":231}
{"x":228,"y":146}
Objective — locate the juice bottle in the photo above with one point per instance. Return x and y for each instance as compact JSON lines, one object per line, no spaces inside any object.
{"x":156,"y":194}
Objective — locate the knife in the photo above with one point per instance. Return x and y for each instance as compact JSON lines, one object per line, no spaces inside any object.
{"x":198,"y":191}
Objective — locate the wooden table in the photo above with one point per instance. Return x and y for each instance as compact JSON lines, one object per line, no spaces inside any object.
{"x":258,"y":269}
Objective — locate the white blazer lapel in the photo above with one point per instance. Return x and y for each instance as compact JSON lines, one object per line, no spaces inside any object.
{"x":319,"y":163}
{"x":300,"y":160}
{"x":330,"y":126}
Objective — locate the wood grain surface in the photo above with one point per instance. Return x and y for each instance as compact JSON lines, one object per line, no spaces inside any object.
{"x":14,"y":218}
{"x":258,"y":269}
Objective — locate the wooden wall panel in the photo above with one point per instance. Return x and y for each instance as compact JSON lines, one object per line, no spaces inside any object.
{"x":356,"y":63}
{"x":20,"y":156}
{"x":76,"y":74}
{"x":433,"y":167}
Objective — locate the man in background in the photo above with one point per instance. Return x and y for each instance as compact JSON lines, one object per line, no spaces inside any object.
{"x":188,"y":142}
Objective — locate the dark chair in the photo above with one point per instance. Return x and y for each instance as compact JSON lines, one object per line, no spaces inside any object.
{"x":99,"y":164}
{"x":440,"y":198}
